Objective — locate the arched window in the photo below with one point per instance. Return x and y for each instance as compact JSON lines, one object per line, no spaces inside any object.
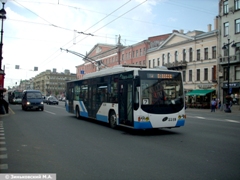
{"x":176,"y":56}
{"x":163,"y":59}
{"x":168,"y":58}
{"x":190,"y":55}
{"x":184,"y":54}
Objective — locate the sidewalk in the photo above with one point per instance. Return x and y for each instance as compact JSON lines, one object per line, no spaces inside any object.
{"x":235,"y":109}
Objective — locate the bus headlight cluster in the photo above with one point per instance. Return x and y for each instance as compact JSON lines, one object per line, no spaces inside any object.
{"x":143,"y":118}
{"x":182,"y":116}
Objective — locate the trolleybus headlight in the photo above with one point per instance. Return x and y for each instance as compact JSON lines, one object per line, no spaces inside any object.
{"x":182,"y":116}
{"x":139,"y":118}
{"x":28,"y":103}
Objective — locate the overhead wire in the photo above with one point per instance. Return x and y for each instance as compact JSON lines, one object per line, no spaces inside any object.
{"x":155,"y":24}
{"x":85,"y":30}
{"x":94,"y":24}
{"x":116,"y":18}
{"x":102,"y":19}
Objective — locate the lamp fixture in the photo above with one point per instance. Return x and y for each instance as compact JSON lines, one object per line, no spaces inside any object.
{"x":2,"y":11}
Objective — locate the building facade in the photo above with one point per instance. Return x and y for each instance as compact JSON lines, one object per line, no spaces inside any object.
{"x":105,"y":55}
{"x":195,"y":55}
{"x":26,"y":84}
{"x":53,"y":83}
{"x":229,"y":48}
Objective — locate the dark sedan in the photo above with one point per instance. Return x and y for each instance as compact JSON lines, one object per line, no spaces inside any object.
{"x":52,"y":100}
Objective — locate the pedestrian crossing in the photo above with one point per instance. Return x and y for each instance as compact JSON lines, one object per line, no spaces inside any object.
{"x":3,"y":149}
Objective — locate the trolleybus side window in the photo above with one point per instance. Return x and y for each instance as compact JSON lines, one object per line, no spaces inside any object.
{"x":77,"y":92}
{"x":113,"y":94}
{"x":84,"y":93}
{"x":136,"y":93}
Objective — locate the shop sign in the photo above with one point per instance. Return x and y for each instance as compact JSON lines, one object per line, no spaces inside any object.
{"x":232,"y":85}
{"x":204,"y":86}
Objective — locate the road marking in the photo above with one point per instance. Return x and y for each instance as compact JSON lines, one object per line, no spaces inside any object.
{"x":11,"y":110}
{"x":50,"y":112}
{"x":200,"y":117}
{"x":3,"y":149}
{"x":3,"y":156}
{"x":234,"y":121}
{"x":213,"y":119}
{"x":59,"y":107}
{"x":3,"y":166}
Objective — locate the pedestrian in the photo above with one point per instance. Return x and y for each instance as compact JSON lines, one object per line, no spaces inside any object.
{"x":216,"y":107}
{"x":230,"y":105}
{"x":213,"y":105}
{"x":219,"y":104}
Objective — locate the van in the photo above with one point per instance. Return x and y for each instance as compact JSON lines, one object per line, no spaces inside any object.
{"x":32,"y":99}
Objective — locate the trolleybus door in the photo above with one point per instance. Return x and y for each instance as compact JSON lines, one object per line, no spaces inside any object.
{"x":125,"y":100}
{"x":70,"y":99}
{"x":92,"y":111}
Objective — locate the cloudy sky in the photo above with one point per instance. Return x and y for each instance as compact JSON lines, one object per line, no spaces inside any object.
{"x":35,"y":30}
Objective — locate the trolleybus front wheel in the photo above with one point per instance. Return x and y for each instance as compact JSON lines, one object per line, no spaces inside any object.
{"x":113,"y":119}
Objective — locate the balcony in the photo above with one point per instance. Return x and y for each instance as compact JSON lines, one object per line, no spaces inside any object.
{"x":176,"y":65}
{"x":232,"y":60}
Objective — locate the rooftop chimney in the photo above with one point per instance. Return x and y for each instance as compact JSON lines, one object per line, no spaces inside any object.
{"x":216,"y":23}
{"x":209,"y":27}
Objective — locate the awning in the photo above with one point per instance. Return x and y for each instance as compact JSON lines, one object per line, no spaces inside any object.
{"x":199,"y":92}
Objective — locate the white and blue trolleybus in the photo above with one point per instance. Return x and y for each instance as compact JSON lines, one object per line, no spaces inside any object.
{"x":129,"y":96}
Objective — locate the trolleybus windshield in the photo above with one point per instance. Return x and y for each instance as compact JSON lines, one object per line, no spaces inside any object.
{"x":161,"y":93}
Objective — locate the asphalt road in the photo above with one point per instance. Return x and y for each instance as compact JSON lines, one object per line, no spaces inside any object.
{"x":53,"y":141}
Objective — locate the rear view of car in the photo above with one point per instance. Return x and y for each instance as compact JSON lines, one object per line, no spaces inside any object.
{"x":32,"y":99}
{"x":52,"y":100}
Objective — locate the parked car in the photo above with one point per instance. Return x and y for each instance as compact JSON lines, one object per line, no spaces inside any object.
{"x":52,"y":100}
{"x":32,"y":99}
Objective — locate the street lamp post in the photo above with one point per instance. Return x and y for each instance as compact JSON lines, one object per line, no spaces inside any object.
{"x":2,"y":16}
{"x":3,"y":103}
{"x":228,"y":97}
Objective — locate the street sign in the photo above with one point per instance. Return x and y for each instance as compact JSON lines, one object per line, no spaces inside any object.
{"x":230,"y":90}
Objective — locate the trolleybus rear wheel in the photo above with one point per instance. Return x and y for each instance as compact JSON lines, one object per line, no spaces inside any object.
{"x":77,"y":112}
